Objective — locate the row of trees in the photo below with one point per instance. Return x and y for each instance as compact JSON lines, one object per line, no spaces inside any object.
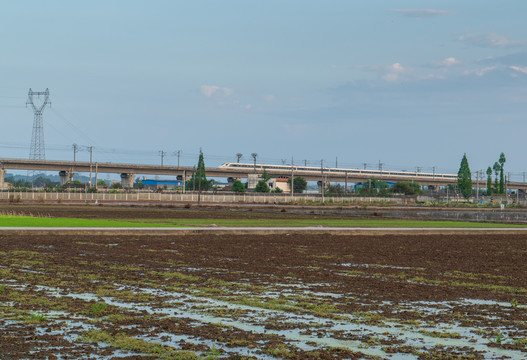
{"x":499,"y":185}
{"x":464,"y":177}
{"x":198,"y":181}
{"x":380,"y":188}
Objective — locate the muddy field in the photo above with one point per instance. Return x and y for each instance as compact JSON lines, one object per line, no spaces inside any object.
{"x":263,"y":297}
{"x":180,"y":211}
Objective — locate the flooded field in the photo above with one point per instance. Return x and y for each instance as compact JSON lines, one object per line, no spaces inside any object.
{"x":263,"y":297}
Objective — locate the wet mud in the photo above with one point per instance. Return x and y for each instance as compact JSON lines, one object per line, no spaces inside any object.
{"x":263,"y":297}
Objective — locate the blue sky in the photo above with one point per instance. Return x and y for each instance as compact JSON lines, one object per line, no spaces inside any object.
{"x":408,"y":83}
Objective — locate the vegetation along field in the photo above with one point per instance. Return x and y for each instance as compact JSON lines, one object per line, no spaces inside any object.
{"x":263,"y":297}
{"x":35,"y":215}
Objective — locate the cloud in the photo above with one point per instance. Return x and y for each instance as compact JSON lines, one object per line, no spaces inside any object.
{"x":510,"y":59}
{"x":248,"y":107}
{"x":210,"y":90}
{"x":269,"y":98}
{"x":450,"y":61}
{"x":421,"y":13}
{"x":520,"y":69}
{"x":392,"y":72}
{"x":479,"y":72}
{"x":489,"y":40}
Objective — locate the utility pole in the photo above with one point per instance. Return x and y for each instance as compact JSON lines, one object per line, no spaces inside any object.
{"x":194,"y":179}
{"x":238,"y":157}
{"x":254,"y":156}
{"x":199,"y":185}
{"x":178,"y":153}
{"x":336,"y":162}
{"x":507,"y":179}
{"x":292,"y":178}
{"x":322,"y":179}
{"x":305,"y":163}
{"x":477,"y":185}
{"x":90,"y":149}
{"x":75,"y":151}
{"x":162,"y":154}
{"x":365,"y":164}
{"x":380,"y":165}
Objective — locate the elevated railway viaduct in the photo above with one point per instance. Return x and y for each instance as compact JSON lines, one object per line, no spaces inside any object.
{"x":66,"y":169}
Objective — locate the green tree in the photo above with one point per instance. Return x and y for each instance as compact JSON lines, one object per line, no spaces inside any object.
{"x":238,"y":186}
{"x":334,"y":189}
{"x":373,"y":187}
{"x":262,"y":187}
{"x":502,"y":176}
{"x":101,"y":183}
{"x":199,"y":181}
{"x":265,"y":176}
{"x":116,"y":185}
{"x":138,"y":183}
{"x":464,"y":178}
{"x":300,"y":184}
{"x":407,"y":188}
{"x":489,"y":181}
{"x":496,"y":167}
{"x":277,"y":190}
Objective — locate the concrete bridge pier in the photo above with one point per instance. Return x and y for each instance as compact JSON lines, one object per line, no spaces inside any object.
{"x":325,"y":186}
{"x":127,"y":180}
{"x":2,"y":178}
{"x":65,"y":176}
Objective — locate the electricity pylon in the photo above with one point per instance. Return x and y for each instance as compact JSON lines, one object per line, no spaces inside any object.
{"x":37,"y":150}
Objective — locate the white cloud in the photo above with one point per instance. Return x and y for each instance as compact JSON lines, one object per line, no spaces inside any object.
{"x":269,"y":98}
{"x":479,"y":72}
{"x":248,"y":106}
{"x":488,"y":40}
{"x":210,"y":90}
{"x":433,"y":77}
{"x":392,"y":72}
{"x":449,"y":61}
{"x":421,"y":13}
{"x":397,"y":67}
{"x":520,"y":69}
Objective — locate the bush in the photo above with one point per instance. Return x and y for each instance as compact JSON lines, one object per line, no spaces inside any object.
{"x":116,"y":185}
{"x":262,"y":187}
{"x":407,"y":188}
{"x":238,"y":186}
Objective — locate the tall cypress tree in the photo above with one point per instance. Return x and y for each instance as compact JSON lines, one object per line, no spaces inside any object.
{"x":496,"y":167}
{"x":199,"y":181}
{"x":502,"y":177}
{"x":489,"y":181}
{"x":464,"y":178}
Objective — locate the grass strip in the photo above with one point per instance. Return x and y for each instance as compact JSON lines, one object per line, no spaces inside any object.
{"x":29,"y":221}
{"x":385,"y":223}
{"x":125,"y":342}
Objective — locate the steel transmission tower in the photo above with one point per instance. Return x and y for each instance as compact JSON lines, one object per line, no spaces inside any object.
{"x":37,"y":151}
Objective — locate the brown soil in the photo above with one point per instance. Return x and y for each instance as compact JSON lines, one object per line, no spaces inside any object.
{"x":375,"y":280}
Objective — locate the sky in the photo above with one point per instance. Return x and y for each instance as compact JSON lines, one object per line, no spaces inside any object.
{"x":408,"y":84}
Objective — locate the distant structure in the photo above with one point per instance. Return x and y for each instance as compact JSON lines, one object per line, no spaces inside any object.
{"x":37,"y":151}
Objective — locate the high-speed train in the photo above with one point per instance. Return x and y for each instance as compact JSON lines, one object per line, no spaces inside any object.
{"x":360,"y":172}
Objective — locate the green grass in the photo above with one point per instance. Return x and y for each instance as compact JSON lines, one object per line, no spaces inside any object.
{"x":28,"y":221}
{"x":388,"y":223}
{"x":125,"y":342}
